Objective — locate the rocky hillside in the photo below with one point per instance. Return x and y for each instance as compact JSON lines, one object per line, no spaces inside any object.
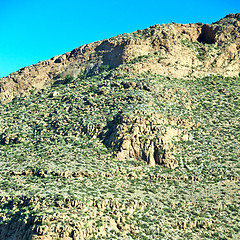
{"x":134,"y":137}
{"x":175,"y":50}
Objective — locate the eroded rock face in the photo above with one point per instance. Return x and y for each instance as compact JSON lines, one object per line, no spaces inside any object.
{"x":36,"y":227}
{"x":175,"y":50}
{"x":148,"y":138}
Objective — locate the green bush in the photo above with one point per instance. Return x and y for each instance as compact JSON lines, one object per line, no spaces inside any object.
{"x":68,"y":79}
{"x":104,"y":68}
{"x":81,"y":76}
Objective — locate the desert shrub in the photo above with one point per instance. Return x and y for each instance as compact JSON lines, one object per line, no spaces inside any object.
{"x":104,"y":68}
{"x":81,"y":76}
{"x":68,"y":79}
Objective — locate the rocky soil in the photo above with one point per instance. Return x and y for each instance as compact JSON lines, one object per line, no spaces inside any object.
{"x":134,"y":137}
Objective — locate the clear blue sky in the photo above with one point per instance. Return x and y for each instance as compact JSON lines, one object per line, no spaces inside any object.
{"x":31,"y":31}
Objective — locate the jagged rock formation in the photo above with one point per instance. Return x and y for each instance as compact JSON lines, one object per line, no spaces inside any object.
{"x":34,"y":229}
{"x":148,"y":138}
{"x":177,"y":50}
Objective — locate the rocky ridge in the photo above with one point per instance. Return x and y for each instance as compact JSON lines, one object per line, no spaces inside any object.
{"x":174,"y":50}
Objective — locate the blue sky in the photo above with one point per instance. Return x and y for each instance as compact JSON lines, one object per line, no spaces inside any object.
{"x":32,"y":30}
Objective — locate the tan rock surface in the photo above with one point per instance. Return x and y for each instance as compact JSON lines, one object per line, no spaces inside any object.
{"x":148,"y":138}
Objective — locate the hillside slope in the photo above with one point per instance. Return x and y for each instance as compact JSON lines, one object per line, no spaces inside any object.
{"x":125,"y":139}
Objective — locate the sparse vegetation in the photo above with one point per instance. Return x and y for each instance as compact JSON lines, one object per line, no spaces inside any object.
{"x":57,"y":155}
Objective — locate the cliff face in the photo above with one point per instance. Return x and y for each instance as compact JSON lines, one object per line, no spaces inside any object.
{"x":174,"y":50}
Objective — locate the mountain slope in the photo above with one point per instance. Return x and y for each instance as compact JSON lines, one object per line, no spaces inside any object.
{"x":176,"y":50}
{"x":121,"y":151}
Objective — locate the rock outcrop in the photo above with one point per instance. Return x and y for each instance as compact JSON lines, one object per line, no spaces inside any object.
{"x":177,"y":50}
{"x":147,"y":137}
